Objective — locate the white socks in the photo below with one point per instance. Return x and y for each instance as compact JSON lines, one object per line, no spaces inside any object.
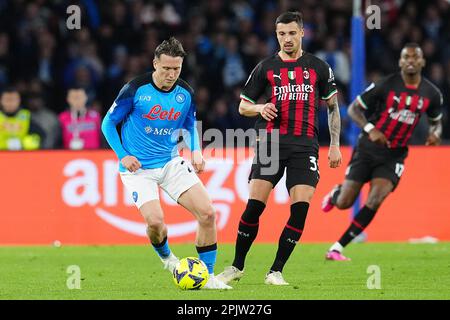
{"x":337,"y":247}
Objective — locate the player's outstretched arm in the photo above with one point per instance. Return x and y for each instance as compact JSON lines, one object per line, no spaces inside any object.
{"x":268,"y":111}
{"x":355,"y":111}
{"x":334,"y":125}
{"x":434,"y":134}
{"x":109,"y":130}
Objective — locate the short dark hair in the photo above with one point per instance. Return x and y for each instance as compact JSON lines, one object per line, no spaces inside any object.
{"x":75,"y":87}
{"x":171,"y":47}
{"x":413,"y":45}
{"x":290,"y":16}
{"x":10,"y":89}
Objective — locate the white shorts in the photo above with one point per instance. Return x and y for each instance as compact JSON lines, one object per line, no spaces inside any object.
{"x":174,"y":178}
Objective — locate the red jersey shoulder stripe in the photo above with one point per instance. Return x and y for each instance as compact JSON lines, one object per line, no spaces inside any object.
{"x":312,"y":107}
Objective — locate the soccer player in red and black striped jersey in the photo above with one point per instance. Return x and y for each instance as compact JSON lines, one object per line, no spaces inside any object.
{"x":387,"y":111}
{"x":291,"y":84}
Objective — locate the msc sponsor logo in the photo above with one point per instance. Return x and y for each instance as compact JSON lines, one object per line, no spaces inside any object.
{"x":159,"y":131}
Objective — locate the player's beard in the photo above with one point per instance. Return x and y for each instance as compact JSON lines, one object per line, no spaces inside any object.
{"x":411,"y":71}
{"x":290,"y":51}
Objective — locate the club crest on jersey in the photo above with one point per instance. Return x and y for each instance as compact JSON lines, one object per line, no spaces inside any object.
{"x":180,"y":97}
{"x":135,"y":196}
{"x":291,"y":75}
{"x":306,"y":74}
{"x":420,"y":103}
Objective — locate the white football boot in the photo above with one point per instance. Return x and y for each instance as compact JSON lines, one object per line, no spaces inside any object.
{"x":171,"y":262}
{"x":275,"y":278}
{"x":215,"y":284}
{"x":229,"y":274}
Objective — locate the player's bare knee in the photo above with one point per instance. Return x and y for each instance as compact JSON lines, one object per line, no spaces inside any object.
{"x":207,"y":216}
{"x":344,"y":202}
{"x":375,"y":200}
{"x":155,"y":224}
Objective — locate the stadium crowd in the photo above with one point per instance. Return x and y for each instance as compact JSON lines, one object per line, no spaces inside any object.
{"x":41,"y":59}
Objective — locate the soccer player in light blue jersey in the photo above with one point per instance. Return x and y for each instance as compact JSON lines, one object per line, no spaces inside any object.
{"x":152,"y":110}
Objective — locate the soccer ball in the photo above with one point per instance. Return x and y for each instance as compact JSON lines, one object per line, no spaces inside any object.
{"x":190,"y":274}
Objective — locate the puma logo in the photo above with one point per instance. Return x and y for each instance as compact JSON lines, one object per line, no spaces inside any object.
{"x":277,"y":75}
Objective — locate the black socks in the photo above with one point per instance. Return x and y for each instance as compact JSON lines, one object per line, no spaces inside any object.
{"x":291,"y":234}
{"x":359,"y":223}
{"x":247,"y":231}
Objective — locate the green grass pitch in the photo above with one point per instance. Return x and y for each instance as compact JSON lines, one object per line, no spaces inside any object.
{"x":419,"y":271}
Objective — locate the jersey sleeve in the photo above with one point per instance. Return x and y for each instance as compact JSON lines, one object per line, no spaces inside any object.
{"x":434,"y":111}
{"x":120,"y":108}
{"x":255,"y":85}
{"x":123,"y":104}
{"x":370,"y":96}
{"x":190,"y":135}
{"x":327,"y":83}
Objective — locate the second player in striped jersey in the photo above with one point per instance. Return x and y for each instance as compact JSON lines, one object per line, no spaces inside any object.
{"x":387,"y":111}
{"x":291,"y":84}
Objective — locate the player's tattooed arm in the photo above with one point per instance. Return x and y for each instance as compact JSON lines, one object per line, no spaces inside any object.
{"x":434,"y":134}
{"x":334,"y":124}
{"x":334,"y":120}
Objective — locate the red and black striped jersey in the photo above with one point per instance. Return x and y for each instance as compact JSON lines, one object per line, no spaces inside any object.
{"x":295,"y":87}
{"x":395,"y":108}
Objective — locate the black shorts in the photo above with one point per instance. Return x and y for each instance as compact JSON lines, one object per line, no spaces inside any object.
{"x":370,"y":161}
{"x":299,"y":162}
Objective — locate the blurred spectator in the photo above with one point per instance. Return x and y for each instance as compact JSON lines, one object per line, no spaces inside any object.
{"x":233,"y":69}
{"x":80,"y":125}
{"x":202,"y":102}
{"x":46,"y":119}
{"x":432,"y":22}
{"x":220,"y":118}
{"x":337,"y":60}
{"x":224,"y":41}
{"x":45,"y":63}
{"x":18,"y":131}
{"x":5,"y":60}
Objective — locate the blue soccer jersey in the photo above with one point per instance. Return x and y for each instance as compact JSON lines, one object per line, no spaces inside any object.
{"x":151,"y":121}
